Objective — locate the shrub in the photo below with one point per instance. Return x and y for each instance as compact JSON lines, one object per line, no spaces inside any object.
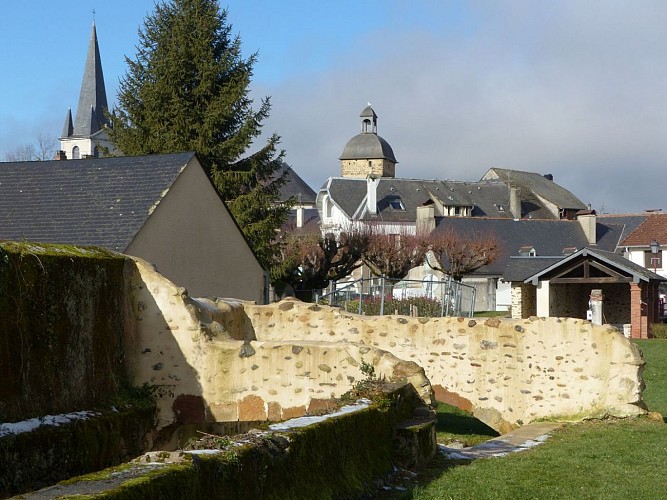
{"x":659,"y":330}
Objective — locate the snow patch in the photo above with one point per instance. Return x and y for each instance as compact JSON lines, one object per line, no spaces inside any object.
{"x":305,"y":421}
{"x":48,"y":420}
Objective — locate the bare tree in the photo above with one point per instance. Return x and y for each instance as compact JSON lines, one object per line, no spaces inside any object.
{"x":309,"y":260}
{"x":43,"y":149}
{"x":393,"y":255}
{"x":458,"y":255}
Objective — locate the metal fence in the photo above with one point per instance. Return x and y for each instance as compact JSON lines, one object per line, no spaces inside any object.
{"x":430,"y":297}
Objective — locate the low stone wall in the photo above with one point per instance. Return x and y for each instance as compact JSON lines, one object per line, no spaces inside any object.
{"x":506,"y":372}
{"x":345,"y":456}
{"x":202,"y":358}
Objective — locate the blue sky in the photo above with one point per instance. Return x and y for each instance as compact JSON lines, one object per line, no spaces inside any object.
{"x":571,"y":88}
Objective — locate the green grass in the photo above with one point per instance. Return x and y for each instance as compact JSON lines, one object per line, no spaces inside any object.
{"x":611,"y":459}
{"x":655,"y":373}
{"x":458,"y":425}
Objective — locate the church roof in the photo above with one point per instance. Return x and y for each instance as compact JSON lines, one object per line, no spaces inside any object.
{"x":367,"y":146}
{"x":101,"y":202}
{"x":90,"y":112}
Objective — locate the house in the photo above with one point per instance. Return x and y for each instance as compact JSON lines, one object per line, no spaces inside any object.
{"x":161,"y":208}
{"x":644,"y":244}
{"x":86,"y":136}
{"x":367,"y":191}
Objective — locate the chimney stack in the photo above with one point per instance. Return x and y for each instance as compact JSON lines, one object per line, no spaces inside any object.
{"x":372,"y":195}
{"x":425,"y":220}
{"x":515,"y":201}
{"x":588,"y":221}
{"x":60,"y":155}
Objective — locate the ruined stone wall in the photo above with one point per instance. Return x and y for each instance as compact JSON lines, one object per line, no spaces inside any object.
{"x":207,"y":365}
{"x":506,"y":372}
{"x":61,"y":319}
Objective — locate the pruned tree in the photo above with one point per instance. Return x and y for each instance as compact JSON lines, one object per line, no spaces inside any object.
{"x":393,"y":255}
{"x":309,"y":260}
{"x":458,"y":255}
{"x":187,"y":89}
{"x":43,"y":149}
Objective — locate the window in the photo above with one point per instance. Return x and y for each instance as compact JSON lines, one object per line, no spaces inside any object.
{"x":76,"y":155}
{"x":653,"y":260}
{"x":396,"y":205}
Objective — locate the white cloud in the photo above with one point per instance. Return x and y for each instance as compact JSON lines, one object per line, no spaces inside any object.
{"x":575,"y":89}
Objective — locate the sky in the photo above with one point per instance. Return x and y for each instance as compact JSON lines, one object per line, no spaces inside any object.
{"x":572,"y":88}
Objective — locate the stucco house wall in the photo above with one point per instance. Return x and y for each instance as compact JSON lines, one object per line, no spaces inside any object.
{"x":193,"y":240}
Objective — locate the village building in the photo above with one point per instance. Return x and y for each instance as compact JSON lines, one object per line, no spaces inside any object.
{"x":161,"y":208}
{"x":539,"y":226}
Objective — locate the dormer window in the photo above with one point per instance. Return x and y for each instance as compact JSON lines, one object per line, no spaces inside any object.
{"x":397,"y":205}
{"x":527,"y":251}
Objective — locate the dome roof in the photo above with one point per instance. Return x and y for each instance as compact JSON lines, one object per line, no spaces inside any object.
{"x":367,"y":146}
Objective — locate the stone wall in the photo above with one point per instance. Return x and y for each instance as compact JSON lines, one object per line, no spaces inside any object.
{"x":506,"y":372}
{"x":61,"y":320}
{"x":207,"y":364}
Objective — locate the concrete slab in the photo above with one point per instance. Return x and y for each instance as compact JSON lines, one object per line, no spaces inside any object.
{"x":520,"y":439}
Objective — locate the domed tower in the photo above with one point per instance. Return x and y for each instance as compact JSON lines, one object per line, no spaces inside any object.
{"x":367,"y":154}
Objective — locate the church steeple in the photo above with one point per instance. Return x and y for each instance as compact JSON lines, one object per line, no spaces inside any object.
{"x":86,"y":135}
{"x":93,"y":95}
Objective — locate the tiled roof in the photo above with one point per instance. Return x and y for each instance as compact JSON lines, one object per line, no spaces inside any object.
{"x":654,"y":227}
{"x":102,"y":202}
{"x":615,"y":260}
{"x":488,"y":198}
{"x":539,"y":185}
{"x":549,"y":238}
{"x":295,"y":187}
{"x":613,"y":229}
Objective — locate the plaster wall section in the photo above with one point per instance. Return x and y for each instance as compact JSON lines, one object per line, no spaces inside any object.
{"x":205,"y":364}
{"x":506,"y":372}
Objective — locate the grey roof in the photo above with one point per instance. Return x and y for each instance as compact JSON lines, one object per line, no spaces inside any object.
{"x":90,"y":112}
{"x":520,"y":268}
{"x":101,"y":202}
{"x":613,"y":229}
{"x":367,"y":112}
{"x":367,"y":146}
{"x":68,"y":127}
{"x":549,"y":238}
{"x":539,"y":185}
{"x":295,"y":187}
{"x":485,"y":198}
{"x":619,"y":262}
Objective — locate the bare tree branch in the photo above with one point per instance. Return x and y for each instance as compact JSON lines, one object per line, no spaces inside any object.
{"x":459,"y":255}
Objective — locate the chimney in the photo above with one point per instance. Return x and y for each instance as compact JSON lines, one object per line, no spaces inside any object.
{"x":588,"y":221}
{"x":372,"y":195}
{"x":515,"y":201}
{"x":425,"y":220}
{"x":60,"y":155}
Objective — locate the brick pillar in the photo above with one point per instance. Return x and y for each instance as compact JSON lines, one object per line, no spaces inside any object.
{"x":653,"y":301}
{"x":635,"y":310}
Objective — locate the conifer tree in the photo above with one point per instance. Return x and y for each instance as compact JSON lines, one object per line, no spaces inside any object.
{"x":187,"y":89}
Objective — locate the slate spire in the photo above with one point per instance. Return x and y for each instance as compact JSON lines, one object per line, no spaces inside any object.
{"x":90,"y":113}
{"x":68,"y":128}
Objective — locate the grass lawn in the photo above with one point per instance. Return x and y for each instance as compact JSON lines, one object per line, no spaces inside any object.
{"x":612,"y":459}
